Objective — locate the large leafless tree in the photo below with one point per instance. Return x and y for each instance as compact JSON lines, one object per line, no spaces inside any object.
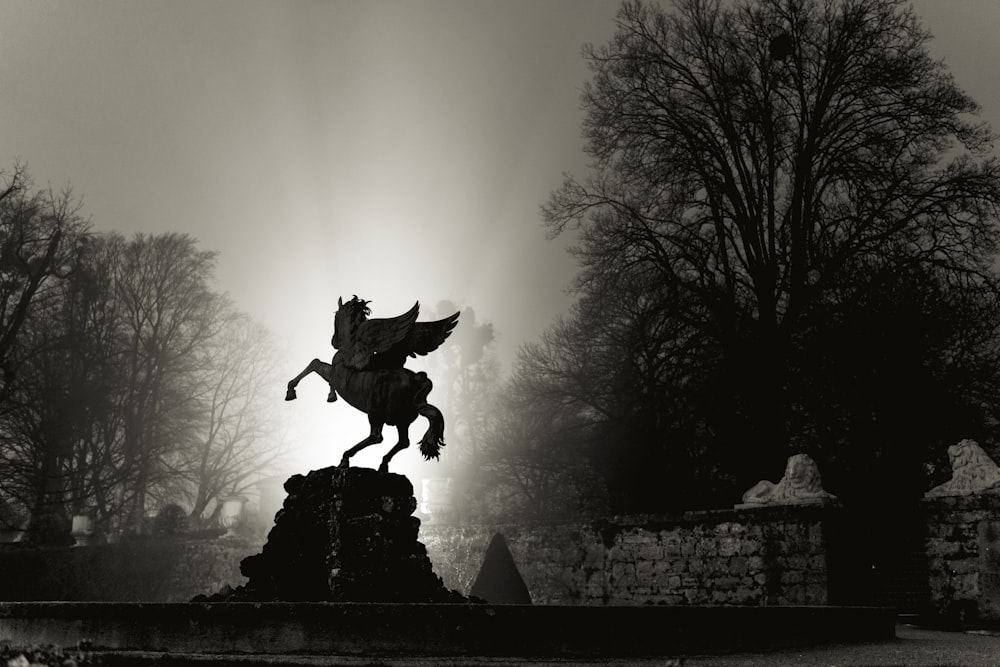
{"x":764,"y":165}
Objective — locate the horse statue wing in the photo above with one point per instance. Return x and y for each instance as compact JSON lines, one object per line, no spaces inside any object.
{"x":379,"y":336}
{"x":426,"y":337}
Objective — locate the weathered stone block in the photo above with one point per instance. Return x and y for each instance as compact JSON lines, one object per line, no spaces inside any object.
{"x":796,"y":562}
{"x":637,"y":538}
{"x":622,"y":576}
{"x":729,"y":546}
{"x":696,"y":596}
{"x":672,"y":546}
{"x":707,"y":547}
{"x":964,"y":566}
{"x":791,"y":577}
{"x":594,"y":556}
{"x":817,"y":563}
{"x":719,"y":597}
{"x":650,"y":551}
{"x":815,"y":594}
{"x":966,"y":585}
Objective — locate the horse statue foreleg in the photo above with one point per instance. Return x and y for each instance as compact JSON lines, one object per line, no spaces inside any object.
{"x":404,"y":442}
{"x":373,"y":438}
{"x":322,"y":369}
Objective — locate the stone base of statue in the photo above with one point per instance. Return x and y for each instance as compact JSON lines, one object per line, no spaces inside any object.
{"x":343,"y":535}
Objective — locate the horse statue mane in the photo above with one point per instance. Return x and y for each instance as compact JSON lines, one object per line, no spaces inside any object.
{"x":372,"y":344}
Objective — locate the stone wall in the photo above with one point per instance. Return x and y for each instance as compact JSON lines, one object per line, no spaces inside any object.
{"x":765,"y":556}
{"x":154,"y":570}
{"x":963,"y":552}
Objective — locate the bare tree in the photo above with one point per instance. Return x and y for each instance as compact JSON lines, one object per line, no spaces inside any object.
{"x":40,"y":233}
{"x":766,"y":164}
{"x":138,"y":386}
{"x":235,"y":440}
{"x":169,"y":313}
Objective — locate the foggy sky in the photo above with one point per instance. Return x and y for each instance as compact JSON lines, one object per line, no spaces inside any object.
{"x":395,"y":150}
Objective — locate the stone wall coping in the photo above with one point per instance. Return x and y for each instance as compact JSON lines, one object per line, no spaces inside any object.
{"x":807,"y":512}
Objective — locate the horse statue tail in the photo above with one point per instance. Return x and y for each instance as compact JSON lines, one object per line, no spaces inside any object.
{"x":433,"y":440}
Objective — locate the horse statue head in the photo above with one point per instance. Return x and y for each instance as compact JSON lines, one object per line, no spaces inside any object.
{"x":349,"y":316}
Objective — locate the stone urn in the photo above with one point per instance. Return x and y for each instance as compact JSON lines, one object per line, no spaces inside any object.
{"x":437,"y":499}
{"x":231,"y":516}
{"x":82,"y":530}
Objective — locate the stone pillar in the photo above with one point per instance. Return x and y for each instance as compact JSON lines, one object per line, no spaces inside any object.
{"x":963,"y":556}
{"x":963,"y":537}
{"x":231,"y":517}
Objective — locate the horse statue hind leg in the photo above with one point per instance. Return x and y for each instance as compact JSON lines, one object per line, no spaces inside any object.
{"x":374,"y":438}
{"x":404,"y":416}
{"x":401,"y":444}
{"x":321,"y":368}
{"x":433,"y":440}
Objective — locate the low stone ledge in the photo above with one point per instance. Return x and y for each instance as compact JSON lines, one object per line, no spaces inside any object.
{"x":360,"y":629}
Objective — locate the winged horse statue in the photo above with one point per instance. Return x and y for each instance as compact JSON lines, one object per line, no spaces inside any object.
{"x":367,"y":371}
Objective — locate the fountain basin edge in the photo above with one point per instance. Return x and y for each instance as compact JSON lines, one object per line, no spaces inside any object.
{"x":375,"y":629}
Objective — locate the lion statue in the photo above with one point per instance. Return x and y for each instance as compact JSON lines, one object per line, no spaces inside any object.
{"x":972,"y":470}
{"x":801,"y":484}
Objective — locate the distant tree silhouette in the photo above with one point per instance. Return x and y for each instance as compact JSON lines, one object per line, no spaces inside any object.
{"x":40,"y":233}
{"x":234,"y":439}
{"x":137,"y":386}
{"x":763,"y":171}
{"x":466,"y":376}
{"x":169,"y":312}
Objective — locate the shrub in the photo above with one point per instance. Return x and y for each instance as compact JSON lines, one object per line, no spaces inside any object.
{"x":172,"y":520}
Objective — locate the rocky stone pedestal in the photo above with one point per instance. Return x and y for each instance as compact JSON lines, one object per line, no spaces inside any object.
{"x":344,"y":535}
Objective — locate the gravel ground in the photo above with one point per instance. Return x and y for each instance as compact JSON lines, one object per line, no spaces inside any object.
{"x":913,"y":647}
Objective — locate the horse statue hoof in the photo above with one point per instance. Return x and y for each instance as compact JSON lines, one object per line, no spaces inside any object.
{"x":332,"y":397}
{"x":290,"y":395}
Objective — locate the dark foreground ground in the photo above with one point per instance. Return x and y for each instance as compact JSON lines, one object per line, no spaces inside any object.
{"x":913,"y":647}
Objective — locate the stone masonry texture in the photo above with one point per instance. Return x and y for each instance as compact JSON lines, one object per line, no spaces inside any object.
{"x":963,"y":540}
{"x":768,"y":556}
{"x":761,"y":557}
